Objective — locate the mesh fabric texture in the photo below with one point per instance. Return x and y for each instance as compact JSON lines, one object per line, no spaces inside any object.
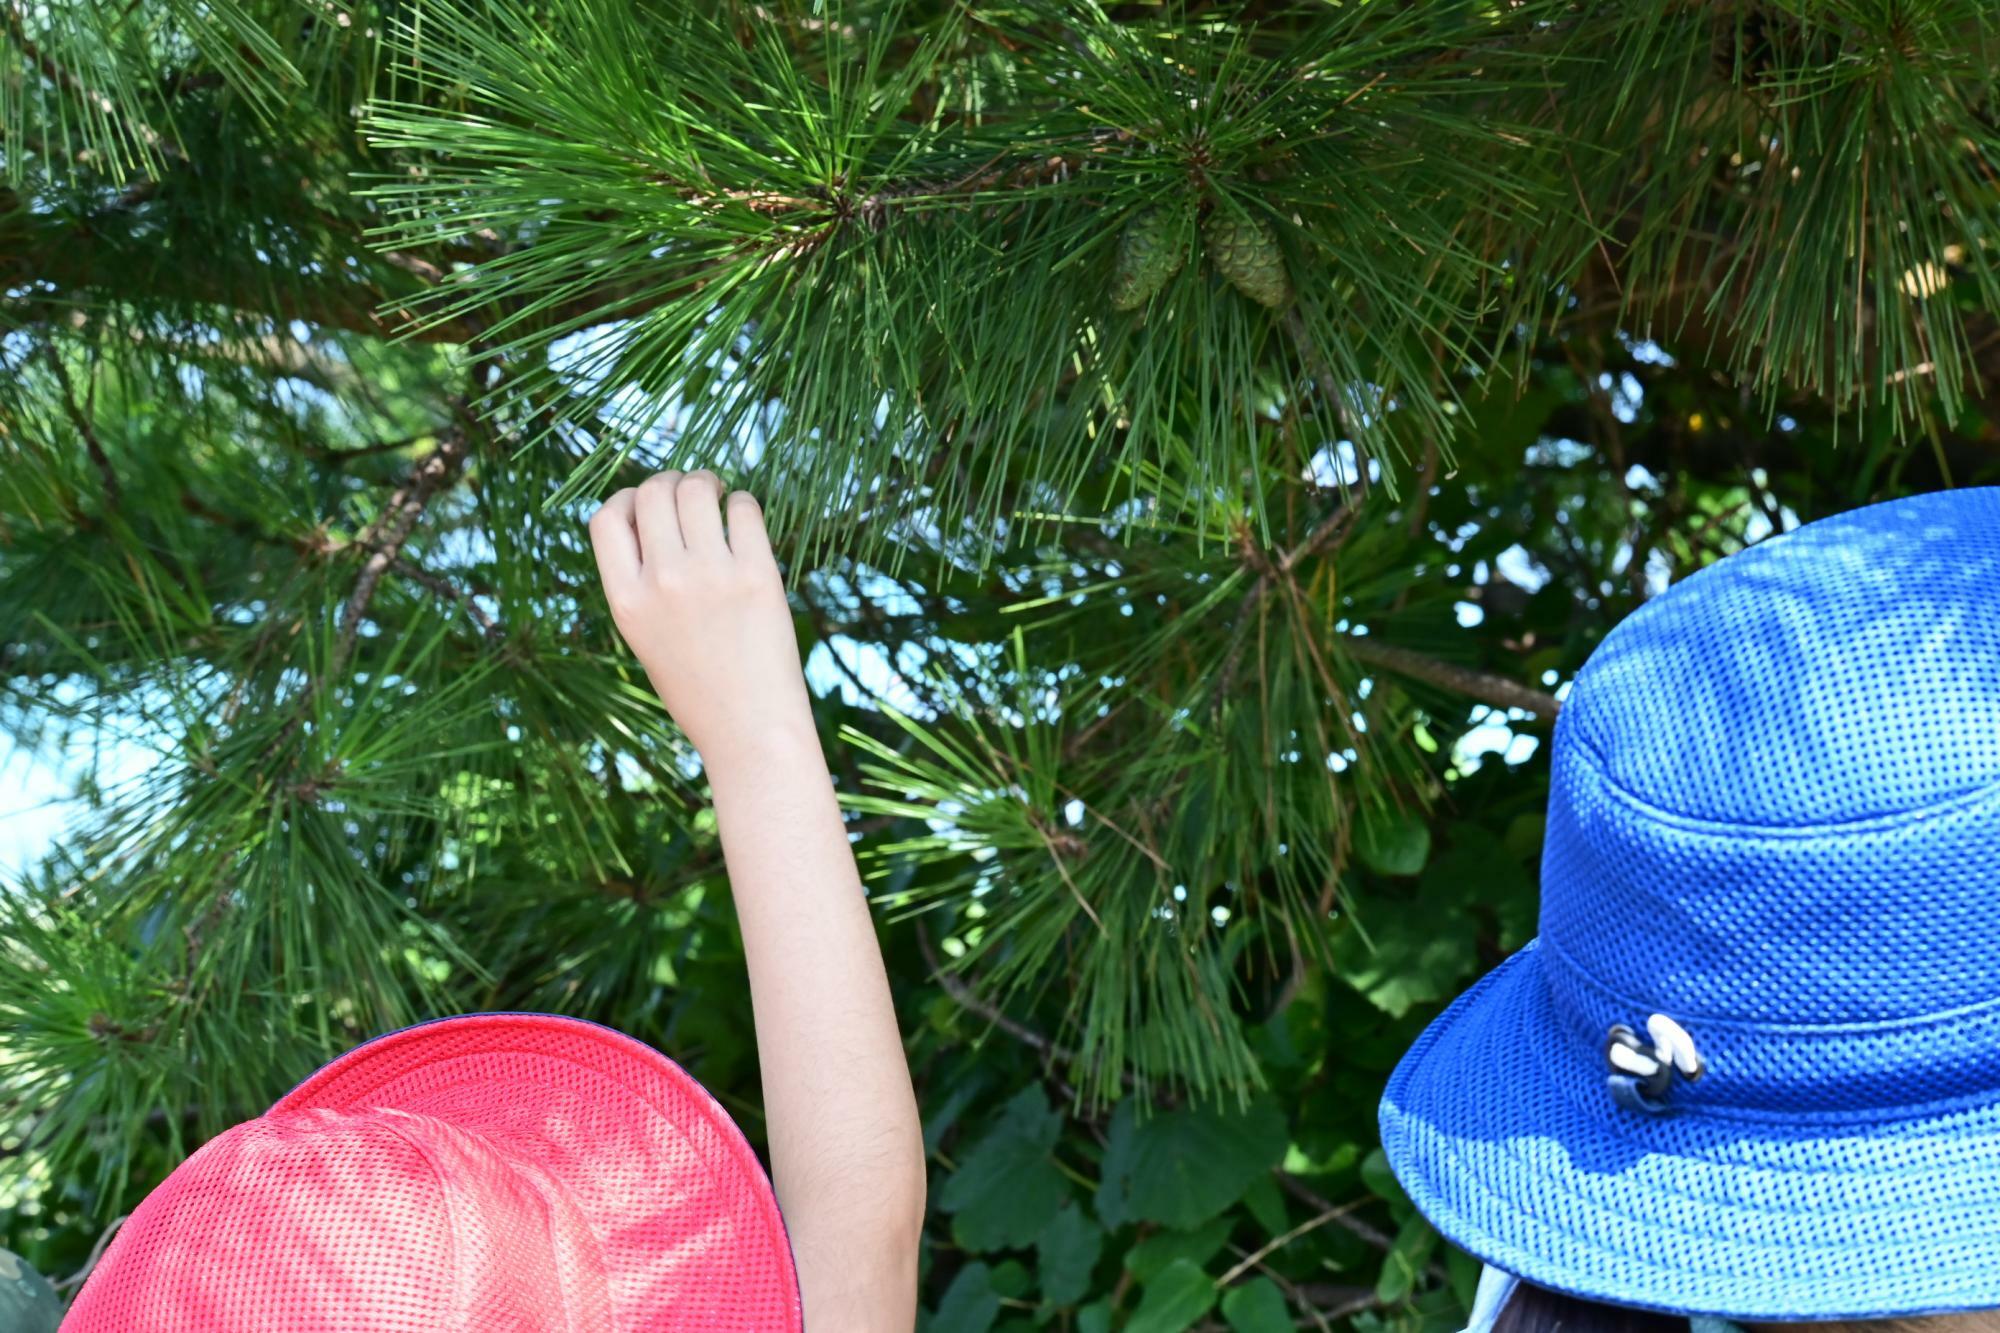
{"x":496,"y":1173}
{"x":1774,"y":816}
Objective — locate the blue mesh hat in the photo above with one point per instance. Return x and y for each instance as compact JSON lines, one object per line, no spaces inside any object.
{"x":1751,"y":1067}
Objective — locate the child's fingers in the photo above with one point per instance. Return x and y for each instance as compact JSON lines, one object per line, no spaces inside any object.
{"x":699,"y":498}
{"x":747,"y":538}
{"x":659,"y":522}
{"x":614,"y":540}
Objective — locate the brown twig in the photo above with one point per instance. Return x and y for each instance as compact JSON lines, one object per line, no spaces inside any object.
{"x":81,"y":420}
{"x":1270,"y":573}
{"x":955,"y":986}
{"x":1276,"y":1243}
{"x":76,"y":1279}
{"x":1312,"y":1198}
{"x":450,"y":591}
{"x":1481,"y":685}
{"x":384,"y":537}
{"x":327,"y":454}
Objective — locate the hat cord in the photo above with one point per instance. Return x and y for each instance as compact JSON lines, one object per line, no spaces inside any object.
{"x":1642,"y":1072}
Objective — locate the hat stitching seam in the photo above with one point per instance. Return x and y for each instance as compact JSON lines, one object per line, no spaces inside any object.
{"x":735,"y":1145}
{"x":1587,"y":753}
{"x":1979,"y":1099}
{"x":459,"y":1311}
{"x":1915,"y":1022}
{"x":1446,"y":1144}
{"x":708,"y":1106}
{"x":543,"y":1181}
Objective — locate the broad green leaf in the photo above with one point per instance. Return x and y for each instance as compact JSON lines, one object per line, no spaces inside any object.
{"x":1266,"y":1203}
{"x":1179,"y":1295}
{"x":1463,"y":1272}
{"x":1393,"y":844}
{"x":1065,"y":1254}
{"x":1007,"y":1186}
{"x":1480,"y":872}
{"x":1410,"y":949}
{"x":1380,"y":1179}
{"x":1181,"y":1167}
{"x":970,"y":1304}
{"x":1146,"y":1259}
{"x":1012,"y":1280}
{"x":1114,"y":1206}
{"x":1256,"y":1307}
{"x":28,"y":1304}
{"x":964,"y":1092}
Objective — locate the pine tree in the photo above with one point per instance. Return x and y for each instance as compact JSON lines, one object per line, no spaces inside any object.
{"x":1198,"y":432}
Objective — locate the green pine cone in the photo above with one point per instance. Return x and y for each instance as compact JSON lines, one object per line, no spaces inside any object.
{"x":1147,"y":257}
{"x":1245,"y":251}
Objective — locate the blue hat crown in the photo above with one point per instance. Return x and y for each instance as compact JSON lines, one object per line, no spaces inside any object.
{"x":1775,"y":818}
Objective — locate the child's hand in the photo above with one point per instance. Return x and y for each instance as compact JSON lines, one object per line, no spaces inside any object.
{"x":703,"y":611}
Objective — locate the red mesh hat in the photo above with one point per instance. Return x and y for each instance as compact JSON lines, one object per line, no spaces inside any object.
{"x":496,"y":1172}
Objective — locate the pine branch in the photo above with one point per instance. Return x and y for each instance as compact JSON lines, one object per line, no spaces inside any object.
{"x":81,"y":420}
{"x":55,"y":72}
{"x":1276,"y":573}
{"x":384,"y":538}
{"x":1481,"y":685}
{"x":446,"y":589}
{"x":327,"y":454}
{"x":1000,"y":175}
{"x":1324,"y":379}
{"x":967,"y":998}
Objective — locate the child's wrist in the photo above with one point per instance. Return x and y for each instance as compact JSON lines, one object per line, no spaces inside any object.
{"x":774,"y":743}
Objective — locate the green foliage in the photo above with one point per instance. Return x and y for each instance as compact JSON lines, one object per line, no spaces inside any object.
{"x":1174,"y":1298}
{"x":1007,"y":1190}
{"x":28,"y":1304}
{"x":970,"y":1304}
{"x":1256,"y":1307}
{"x":1202,"y":441}
{"x":1182,"y":1167}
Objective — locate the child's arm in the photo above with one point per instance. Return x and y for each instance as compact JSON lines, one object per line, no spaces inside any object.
{"x":706,"y":615}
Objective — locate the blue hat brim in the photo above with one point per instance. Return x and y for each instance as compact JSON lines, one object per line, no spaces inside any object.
{"x":1515,"y":1151}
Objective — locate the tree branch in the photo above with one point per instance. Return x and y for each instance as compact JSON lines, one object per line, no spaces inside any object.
{"x":76,"y":1279}
{"x":1312,"y":1198}
{"x":1481,"y":685}
{"x":1323,"y":379}
{"x":81,"y":421}
{"x":955,"y":987}
{"x":384,"y":537}
{"x":450,"y":591}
